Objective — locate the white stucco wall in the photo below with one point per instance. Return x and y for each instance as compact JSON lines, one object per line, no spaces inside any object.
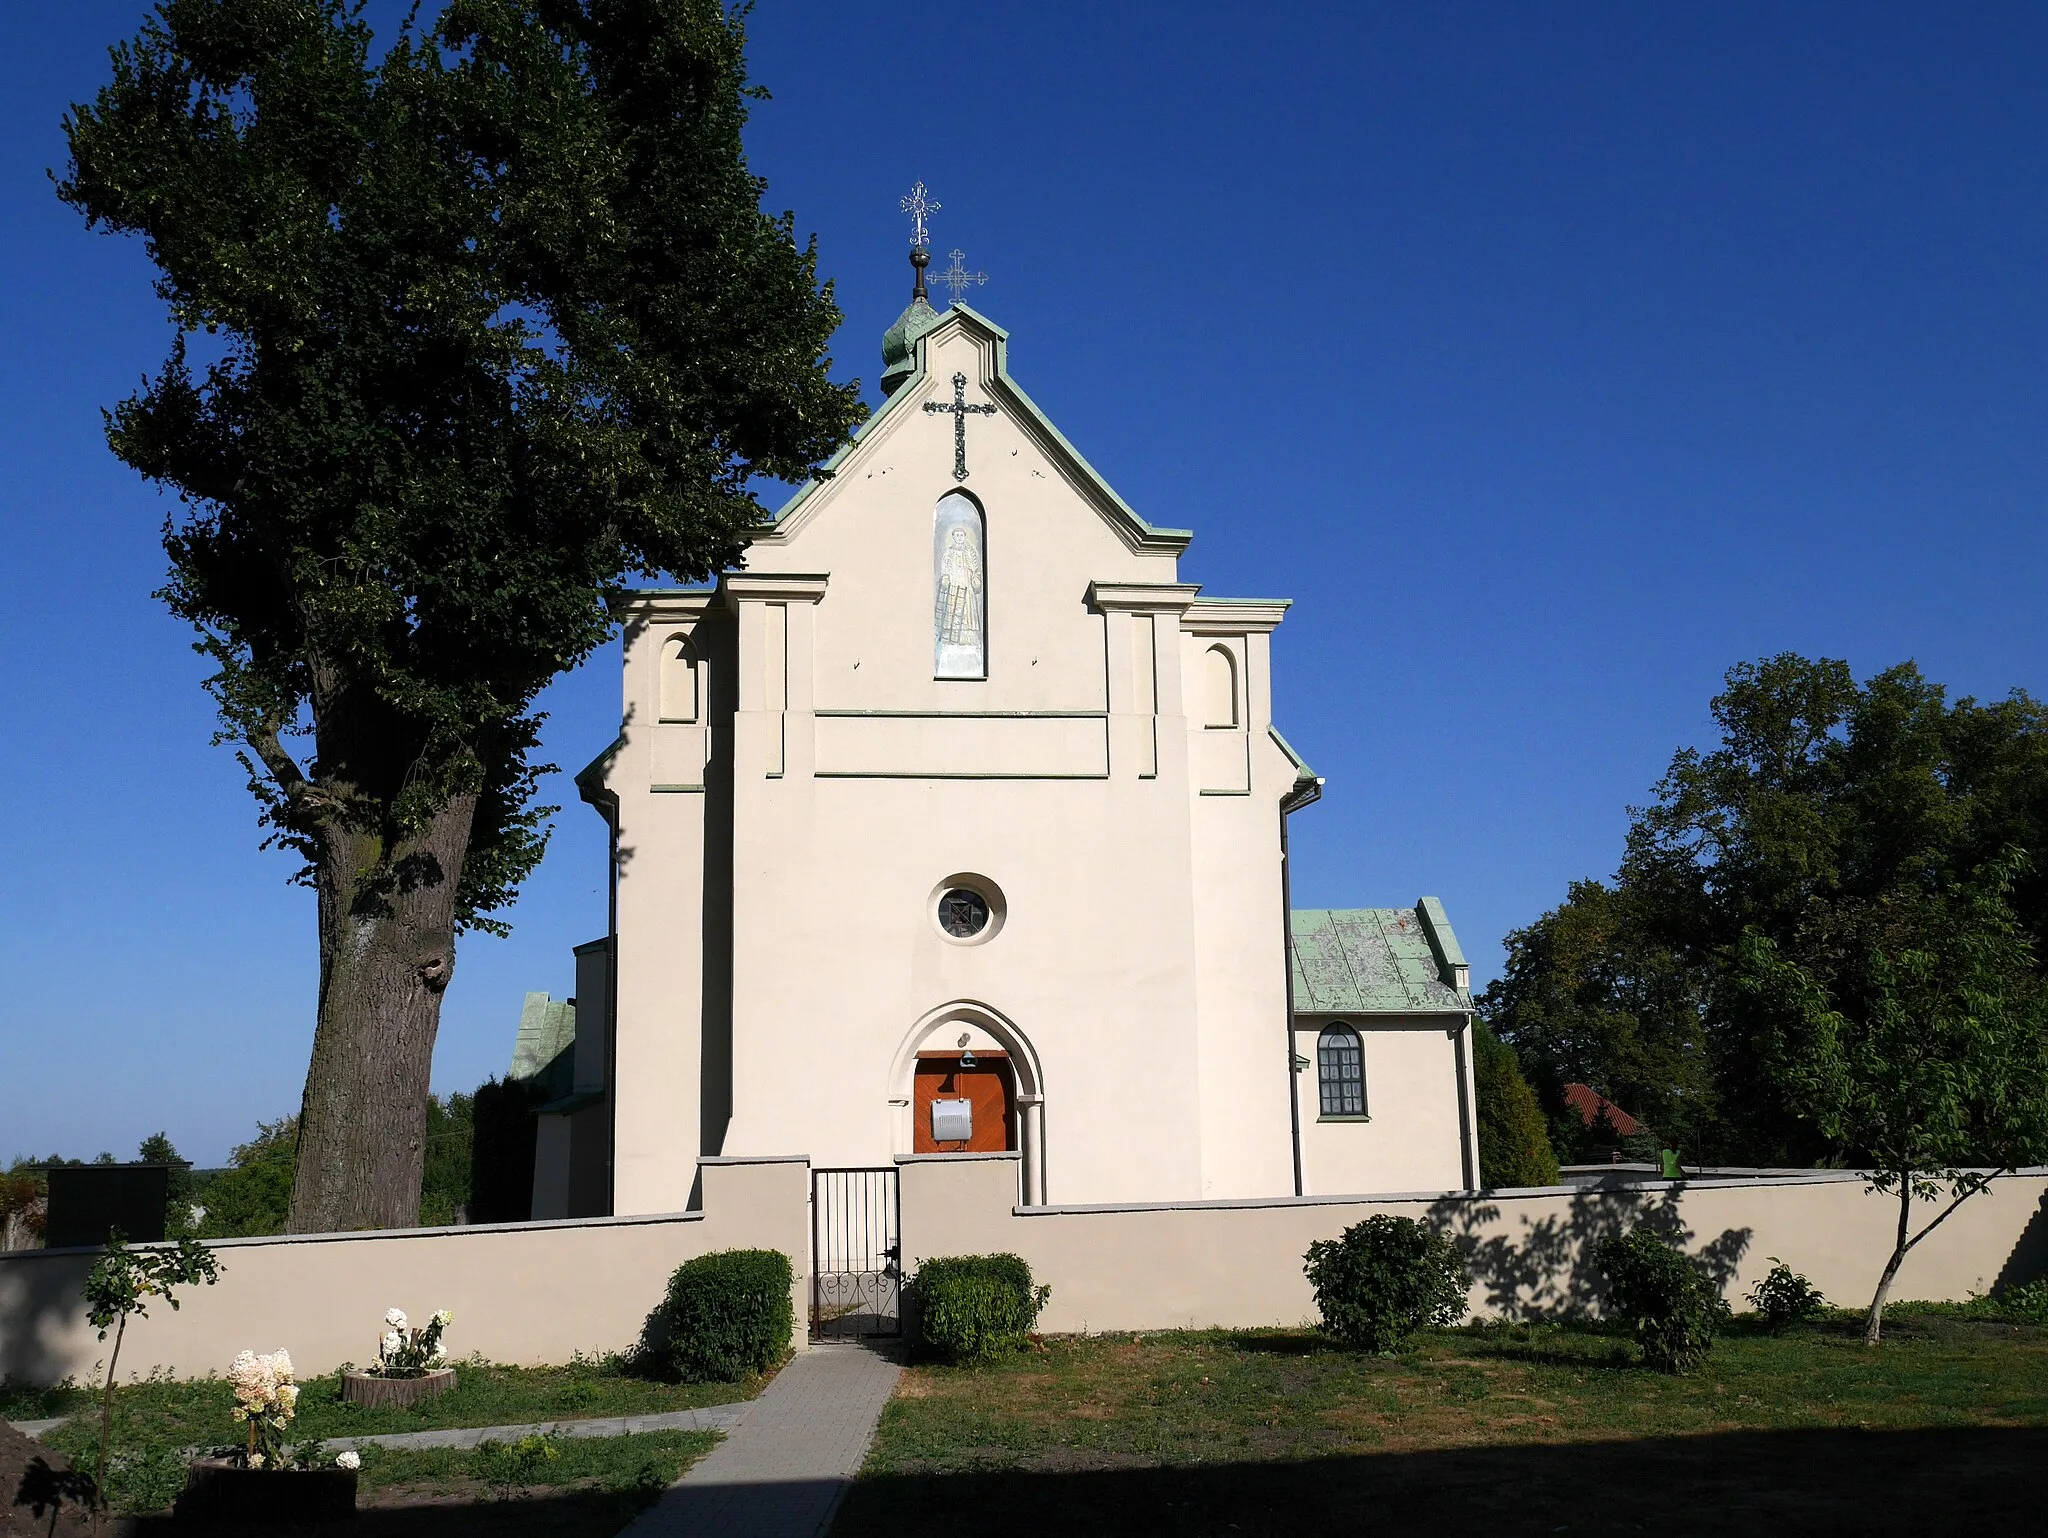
{"x":1419,"y":1136}
{"x":523,"y":1293}
{"x":1137,"y":974}
{"x":1239,"y":1265}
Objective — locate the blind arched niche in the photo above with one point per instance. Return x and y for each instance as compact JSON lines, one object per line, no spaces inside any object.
{"x":678,"y":680}
{"x":959,"y":589}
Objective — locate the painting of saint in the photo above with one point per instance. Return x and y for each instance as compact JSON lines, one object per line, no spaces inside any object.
{"x":958,"y":609}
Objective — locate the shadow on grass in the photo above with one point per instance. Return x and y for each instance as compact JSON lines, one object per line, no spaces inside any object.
{"x":567,"y":1513}
{"x":1807,"y":1482}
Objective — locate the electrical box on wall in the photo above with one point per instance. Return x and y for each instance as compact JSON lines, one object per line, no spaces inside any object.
{"x":952,"y":1121}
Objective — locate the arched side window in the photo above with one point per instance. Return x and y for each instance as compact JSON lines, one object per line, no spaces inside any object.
{"x":959,"y":589}
{"x":1219,"y":673}
{"x":678,"y":679}
{"x":1340,"y":1071}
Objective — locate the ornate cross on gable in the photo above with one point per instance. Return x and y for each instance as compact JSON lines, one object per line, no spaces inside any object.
{"x":957,"y":277}
{"x":960,"y":411}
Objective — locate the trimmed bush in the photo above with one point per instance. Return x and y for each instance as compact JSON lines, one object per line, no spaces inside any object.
{"x":726,"y":1315}
{"x":1785,"y":1298}
{"x":1666,"y":1301}
{"x":973,"y":1307}
{"x":1385,"y":1279}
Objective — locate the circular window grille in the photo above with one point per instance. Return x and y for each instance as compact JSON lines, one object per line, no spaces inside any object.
{"x":963,"y":913}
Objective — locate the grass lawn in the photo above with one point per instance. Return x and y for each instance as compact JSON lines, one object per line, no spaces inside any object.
{"x":591,"y":1488}
{"x":193,"y":1412}
{"x":1525,"y":1430}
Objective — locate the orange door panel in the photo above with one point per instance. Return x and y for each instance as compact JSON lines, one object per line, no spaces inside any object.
{"x":989,"y":1089}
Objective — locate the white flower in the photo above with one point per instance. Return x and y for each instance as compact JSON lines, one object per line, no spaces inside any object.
{"x":444,"y":1317}
{"x":395,"y":1318}
{"x":281,"y":1365}
{"x":439,"y":1355}
{"x":393,"y":1342}
{"x":255,"y":1460}
{"x":348,"y":1460}
{"x":287,"y":1397}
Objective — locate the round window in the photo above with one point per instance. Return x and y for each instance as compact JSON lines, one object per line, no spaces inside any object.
{"x":963,"y":912}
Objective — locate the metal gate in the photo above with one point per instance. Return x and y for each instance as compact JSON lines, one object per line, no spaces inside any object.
{"x":856,"y":1254}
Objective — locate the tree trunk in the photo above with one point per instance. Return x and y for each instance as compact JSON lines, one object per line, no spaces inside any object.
{"x":387,"y":951}
{"x":1873,"y":1322}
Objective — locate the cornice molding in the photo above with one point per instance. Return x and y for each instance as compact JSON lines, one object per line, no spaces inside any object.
{"x":1235,"y":616}
{"x":1143,"y":597}
{"x":737,"y":587}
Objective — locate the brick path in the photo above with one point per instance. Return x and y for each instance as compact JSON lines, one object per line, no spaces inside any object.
{"x":782,"y":1470}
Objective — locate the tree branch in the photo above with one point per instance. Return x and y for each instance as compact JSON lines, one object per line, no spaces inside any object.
{"x":1971,"y":1186}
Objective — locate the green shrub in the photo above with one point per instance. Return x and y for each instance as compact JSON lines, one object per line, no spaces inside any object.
{"x":1786,"y":1298}
{"x":726,"y":1315}
{"x":1663,"y":1298}
{"x":972,"y":1307}
{"x":2027,"y":1303}
{"x":1385,"y":1279}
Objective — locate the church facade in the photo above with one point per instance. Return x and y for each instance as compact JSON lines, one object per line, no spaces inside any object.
{"x":956,"y":822}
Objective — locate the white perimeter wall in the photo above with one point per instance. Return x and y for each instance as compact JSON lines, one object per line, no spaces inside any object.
{"x":522,"y":1293}
{"x":1238,"y":1264}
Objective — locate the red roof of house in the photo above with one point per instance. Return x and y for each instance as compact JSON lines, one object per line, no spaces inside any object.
{"x":1590,"y":1104}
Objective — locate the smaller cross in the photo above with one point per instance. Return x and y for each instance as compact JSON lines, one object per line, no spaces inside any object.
{"x":957,"y":277}
{"x":960,"y":411}
{"x":918,"y":205}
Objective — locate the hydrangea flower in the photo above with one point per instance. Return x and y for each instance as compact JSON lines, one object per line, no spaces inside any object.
{"x":348,"y":1460}
{"x":395,"y":1318}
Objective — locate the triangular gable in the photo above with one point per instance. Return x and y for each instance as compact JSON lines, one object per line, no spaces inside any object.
{"x":1134,"y":531}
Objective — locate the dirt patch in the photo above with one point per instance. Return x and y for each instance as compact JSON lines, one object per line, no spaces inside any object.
{"x":44,"y":1496}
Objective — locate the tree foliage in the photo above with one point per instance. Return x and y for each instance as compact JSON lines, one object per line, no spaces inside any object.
{"x":1514,"y":1146}
{"x":1932,"y":1059}
{"x":1826,"y":811}
{"x":467,"y":333}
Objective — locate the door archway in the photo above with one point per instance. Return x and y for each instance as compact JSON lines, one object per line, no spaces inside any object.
{"x":1005,"y":1079}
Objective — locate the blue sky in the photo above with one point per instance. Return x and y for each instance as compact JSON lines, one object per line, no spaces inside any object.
{"x":1551,"y":358}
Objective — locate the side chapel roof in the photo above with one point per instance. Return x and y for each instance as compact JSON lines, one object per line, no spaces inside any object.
{"x":1387,"y":961}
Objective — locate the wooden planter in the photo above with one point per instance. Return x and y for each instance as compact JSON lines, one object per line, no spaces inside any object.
{"x":373,"y":1392}
{"x":218,"y":1491}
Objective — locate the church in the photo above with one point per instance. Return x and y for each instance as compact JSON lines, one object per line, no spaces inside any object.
{"x":955,"y":822}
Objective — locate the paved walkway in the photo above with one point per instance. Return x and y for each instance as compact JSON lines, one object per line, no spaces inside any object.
{"x":784,"y":1467}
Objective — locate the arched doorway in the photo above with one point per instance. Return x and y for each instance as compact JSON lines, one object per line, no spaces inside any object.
{"x":966,"y":1080}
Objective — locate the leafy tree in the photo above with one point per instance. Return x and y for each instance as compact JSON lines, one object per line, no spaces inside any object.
{"x":487,"y":325}
{"x":1514,"y":1148}
{"x":1824,"y":805}
{"x":158,"y":1148}
{"x":254,"y":1196}
{"x":444,"y":1185}
{"x":1936,"y":1061}
{"x":1584,"y":998}
{"x":119,"y":1287}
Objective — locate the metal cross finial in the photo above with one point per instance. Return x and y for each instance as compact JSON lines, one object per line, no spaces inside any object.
{"x":918,"y":205}
{"x":957,"y":277}
{"x":960,"y":412}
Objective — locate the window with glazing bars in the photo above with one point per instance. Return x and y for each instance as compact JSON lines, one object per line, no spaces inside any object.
{"x":1340,"y":1071}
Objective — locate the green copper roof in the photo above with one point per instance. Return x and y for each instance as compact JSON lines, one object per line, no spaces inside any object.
{"x":899,"y":343}
{"x":1355,"y":961}
{"x":546,"y":1046}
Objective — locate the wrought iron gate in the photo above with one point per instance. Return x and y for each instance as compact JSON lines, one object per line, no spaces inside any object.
{"x":856,"y":1254}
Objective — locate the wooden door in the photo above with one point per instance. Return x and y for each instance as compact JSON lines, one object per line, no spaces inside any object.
{"x":989,"y":1088}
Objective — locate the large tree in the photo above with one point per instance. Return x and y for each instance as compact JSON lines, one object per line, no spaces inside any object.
{"x":480,"y":327}
{"x":1933,"y":1067}
{"x":1824,"y":805}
